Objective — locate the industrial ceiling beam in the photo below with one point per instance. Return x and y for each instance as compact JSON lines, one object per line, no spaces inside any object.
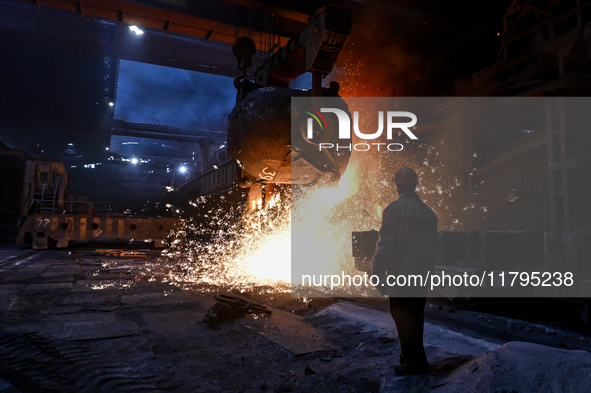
{"x":120,"y":127}
{"x":215,"y":21}
{"x":25,"y":25}
{"x":270,"y":9}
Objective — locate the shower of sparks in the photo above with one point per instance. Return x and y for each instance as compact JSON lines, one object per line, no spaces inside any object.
{"x":247,"y":251}
{"x":228,"y":247}
{"x":250,"y":248}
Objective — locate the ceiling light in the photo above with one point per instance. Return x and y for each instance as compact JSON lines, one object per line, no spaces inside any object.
{"x":136,"y":30}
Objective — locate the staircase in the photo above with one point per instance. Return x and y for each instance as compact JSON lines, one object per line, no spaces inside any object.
{"x":45,"y":200}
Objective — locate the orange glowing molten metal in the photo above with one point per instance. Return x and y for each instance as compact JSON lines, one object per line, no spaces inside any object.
{"x":255,"y":253}
{"x":270,"y":257}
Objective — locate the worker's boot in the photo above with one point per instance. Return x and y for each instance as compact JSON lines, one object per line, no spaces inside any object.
{"x":408,"y":368}
{"x":401,"y":359}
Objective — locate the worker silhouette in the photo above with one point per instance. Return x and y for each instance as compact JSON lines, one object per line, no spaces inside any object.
{"x":407,"y":245}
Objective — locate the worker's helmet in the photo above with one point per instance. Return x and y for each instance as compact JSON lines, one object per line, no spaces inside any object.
{"x":406,"y":176}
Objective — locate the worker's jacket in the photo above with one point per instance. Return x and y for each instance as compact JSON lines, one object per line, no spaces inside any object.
{"x":407,"y":245}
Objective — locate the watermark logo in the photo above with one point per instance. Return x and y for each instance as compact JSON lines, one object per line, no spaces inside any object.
{"x":316,"y":115}
{"x":392,"y":120}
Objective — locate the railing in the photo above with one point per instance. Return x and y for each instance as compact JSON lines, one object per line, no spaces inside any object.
{"x":219,"y":156}
{"x":49,"y":206}
{"x":222,"y":186}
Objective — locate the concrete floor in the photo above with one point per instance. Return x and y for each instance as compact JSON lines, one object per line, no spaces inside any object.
{"x":88,"y":322}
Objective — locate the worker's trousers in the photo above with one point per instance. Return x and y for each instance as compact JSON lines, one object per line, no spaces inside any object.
{"x":409,"y":316}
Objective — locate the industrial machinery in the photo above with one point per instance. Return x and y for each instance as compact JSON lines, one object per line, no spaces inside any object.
{"x":259,"y":127}
{"x":53,"y":218}
{"x":45,"y":188}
